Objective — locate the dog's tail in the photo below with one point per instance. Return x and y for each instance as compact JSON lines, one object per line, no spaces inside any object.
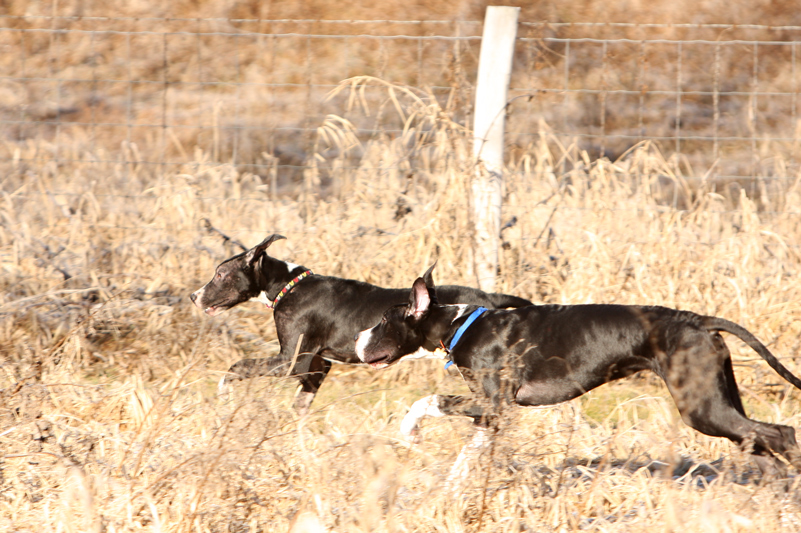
{"x":721,"y":324}
{"x":502,"y":301}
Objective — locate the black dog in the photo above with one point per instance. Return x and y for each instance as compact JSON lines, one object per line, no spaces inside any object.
{"x":326,"y":312}
{"x":543,"y":355}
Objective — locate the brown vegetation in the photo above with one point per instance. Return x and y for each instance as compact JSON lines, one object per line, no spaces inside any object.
{"x":108,"y":414}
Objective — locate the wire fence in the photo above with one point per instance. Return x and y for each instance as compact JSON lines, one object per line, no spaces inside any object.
{"x":159,"y":92}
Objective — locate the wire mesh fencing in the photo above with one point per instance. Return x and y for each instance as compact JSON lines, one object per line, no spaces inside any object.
{"x":138,"y":97}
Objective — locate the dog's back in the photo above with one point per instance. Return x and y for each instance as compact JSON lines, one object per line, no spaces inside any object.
{"x":456,"y":294}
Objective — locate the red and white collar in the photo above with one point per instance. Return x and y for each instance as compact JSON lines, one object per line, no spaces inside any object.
{"x":288,"y":287}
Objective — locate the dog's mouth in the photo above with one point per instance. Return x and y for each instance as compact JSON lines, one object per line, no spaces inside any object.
{"x":214,"y":310}
{"x":210,"y":310}
{"x":380,"y":362}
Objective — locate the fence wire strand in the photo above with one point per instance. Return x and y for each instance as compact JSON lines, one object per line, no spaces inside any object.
{"x":144,"y":85}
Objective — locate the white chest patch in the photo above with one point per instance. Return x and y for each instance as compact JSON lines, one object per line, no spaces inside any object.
{"x":422,"y":353}
{"x":362,"y":341}
{"x":262,"y":298}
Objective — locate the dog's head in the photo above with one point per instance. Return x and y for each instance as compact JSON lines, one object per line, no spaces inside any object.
{"x":234,"y":280}
{"x":401,"y":331}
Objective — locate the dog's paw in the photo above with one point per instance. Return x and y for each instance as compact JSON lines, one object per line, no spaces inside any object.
{"x":410,"y":429}
{"x":414,"y":436}
{"x":302,"y":403}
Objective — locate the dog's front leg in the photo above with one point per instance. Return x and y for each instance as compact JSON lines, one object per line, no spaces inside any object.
{"x":250,"y":368}
{"x":311,"y":371}
{"x":428,"y":406}
{"x":277,"y":366}
{"x":461,"y":467}
{"x":438,"y":406}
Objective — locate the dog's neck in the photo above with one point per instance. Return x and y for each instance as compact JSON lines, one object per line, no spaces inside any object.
{"x":444,"y":320}
{"x":272,"y":275}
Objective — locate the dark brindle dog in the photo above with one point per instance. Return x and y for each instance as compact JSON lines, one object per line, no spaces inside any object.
{"x":323,"y":312}
{"x":546,"y":354}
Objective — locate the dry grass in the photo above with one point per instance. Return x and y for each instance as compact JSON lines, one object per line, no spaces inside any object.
{"x":157,"y":81}
{"x":108,"y":417}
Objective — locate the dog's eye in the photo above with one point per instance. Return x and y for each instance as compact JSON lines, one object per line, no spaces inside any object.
{"x":383,"y":320}
{"x":219,"y":275}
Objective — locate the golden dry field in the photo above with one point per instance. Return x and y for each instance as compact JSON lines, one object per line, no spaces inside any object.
{"x":109,"y":417}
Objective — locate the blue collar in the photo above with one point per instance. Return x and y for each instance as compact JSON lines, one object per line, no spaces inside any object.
{"x":467,"y":323}
{"x":459,"y":332}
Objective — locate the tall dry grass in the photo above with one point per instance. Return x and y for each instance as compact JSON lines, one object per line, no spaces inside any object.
{"x":109,"y":421}
{"x":242,"y":81}
{"x":108,"y":414}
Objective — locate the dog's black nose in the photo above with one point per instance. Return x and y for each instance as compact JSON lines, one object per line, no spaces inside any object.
{"x":192,"y":297}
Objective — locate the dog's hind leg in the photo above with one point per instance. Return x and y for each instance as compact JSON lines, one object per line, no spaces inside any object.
{"x":700,"y":379}
{"x":732,"y":391}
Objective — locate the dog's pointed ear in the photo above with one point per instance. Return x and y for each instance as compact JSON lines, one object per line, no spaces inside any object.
{"x":254,"y":253}
{"x":419,"y":299}
{"x":428,"y":277}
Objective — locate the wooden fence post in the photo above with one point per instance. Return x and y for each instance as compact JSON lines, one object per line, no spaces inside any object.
{"x":494,"y":72}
